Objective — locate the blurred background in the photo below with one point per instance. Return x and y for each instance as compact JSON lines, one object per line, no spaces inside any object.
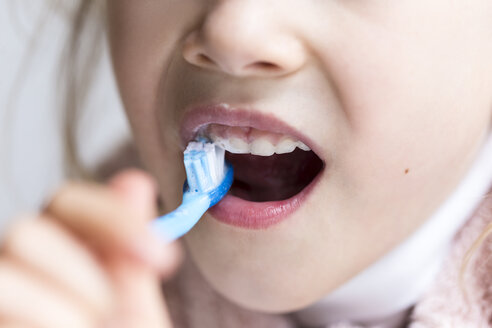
{"x":32,"y":36}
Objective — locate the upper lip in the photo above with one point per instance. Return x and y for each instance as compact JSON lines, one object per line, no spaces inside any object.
{"x":199,"y":116}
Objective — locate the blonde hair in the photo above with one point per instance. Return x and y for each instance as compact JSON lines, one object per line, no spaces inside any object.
{"x":87,"y":33}
{"x":78,"y":83}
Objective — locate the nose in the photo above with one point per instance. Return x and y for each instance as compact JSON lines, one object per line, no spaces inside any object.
{"x":239,"y":38}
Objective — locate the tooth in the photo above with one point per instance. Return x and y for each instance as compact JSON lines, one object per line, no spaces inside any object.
{"x":262,"y":143}
{"x":238,"y":146}
{"x":303,"y":146}
{"x":286,"y":145}
{"x":262,"y":147}
{"x":217,"y":140}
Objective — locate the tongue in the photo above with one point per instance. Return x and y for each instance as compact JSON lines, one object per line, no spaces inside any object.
{"x":273,"y":178}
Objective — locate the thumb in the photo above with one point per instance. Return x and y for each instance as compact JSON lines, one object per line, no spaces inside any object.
{"x":138,"y":288}
{"x":139,"y":191}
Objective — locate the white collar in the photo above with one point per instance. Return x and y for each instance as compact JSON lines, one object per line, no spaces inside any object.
{"x":384,"y":292}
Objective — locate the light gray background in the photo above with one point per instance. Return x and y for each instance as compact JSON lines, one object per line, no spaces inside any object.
{"x":30,"y":143}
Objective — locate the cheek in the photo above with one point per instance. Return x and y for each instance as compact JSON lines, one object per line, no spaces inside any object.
{"x":407,"y":99}
{"x":406,"y":110}
{"x":414,"y":116}
{"x":143,"y":41}
{"x":411,"y":67}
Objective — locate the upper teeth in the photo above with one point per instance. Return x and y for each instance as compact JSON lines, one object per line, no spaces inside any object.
{"x":239,"y":140}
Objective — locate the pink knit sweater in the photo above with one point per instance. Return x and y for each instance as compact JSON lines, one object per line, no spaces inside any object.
{"x":193,"y":303}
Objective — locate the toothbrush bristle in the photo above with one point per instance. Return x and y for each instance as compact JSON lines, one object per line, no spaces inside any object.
{"x":204,"y":164}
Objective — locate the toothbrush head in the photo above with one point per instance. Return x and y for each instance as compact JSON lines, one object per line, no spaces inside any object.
{"x":206,"y":171}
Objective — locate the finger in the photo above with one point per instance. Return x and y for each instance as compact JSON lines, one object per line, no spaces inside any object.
{"x":138,"y":190}
{"x":52,"y":252}
{"x":14,"y":325}
{"x":28,"y":301}
{"x":141,"y":300}
{"x":100,"y":216}
{"x":139,"y":289}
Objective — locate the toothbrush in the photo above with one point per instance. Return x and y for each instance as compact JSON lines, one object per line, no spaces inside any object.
{"x":209,"y":177}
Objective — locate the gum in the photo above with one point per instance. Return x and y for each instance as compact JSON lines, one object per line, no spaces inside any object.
{"x":244,"y":140}
{"x":246,"y":134}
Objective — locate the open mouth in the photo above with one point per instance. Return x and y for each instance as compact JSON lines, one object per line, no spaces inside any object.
{"x":276,"y":177}
{"x":274,"y":166}
{"x":267,"y":166}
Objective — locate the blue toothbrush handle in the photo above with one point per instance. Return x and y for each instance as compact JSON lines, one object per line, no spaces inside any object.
{"x":178,"y":222}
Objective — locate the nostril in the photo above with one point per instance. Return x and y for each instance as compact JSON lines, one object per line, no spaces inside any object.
{"x":263,"y":66}
{"x":204,"y":59}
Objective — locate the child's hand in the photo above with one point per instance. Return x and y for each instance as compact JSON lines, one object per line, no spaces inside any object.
{"x":88,"y":261}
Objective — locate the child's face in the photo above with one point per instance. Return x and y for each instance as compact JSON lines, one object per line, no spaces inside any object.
{"x":393,"y":96}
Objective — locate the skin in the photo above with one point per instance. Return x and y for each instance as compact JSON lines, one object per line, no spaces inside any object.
{"x":88,"y":260}
{"x":397,"y":95}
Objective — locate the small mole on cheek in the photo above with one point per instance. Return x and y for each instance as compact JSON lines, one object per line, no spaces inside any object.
{"x":407,"y":170}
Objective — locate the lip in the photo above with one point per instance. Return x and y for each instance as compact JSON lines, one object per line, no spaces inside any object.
{"x":241,"y":213}
{"x":233,"y":210}
{"x":199,"y":116}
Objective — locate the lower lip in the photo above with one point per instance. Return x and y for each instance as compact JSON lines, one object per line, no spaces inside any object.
{"x":241,"y":213}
